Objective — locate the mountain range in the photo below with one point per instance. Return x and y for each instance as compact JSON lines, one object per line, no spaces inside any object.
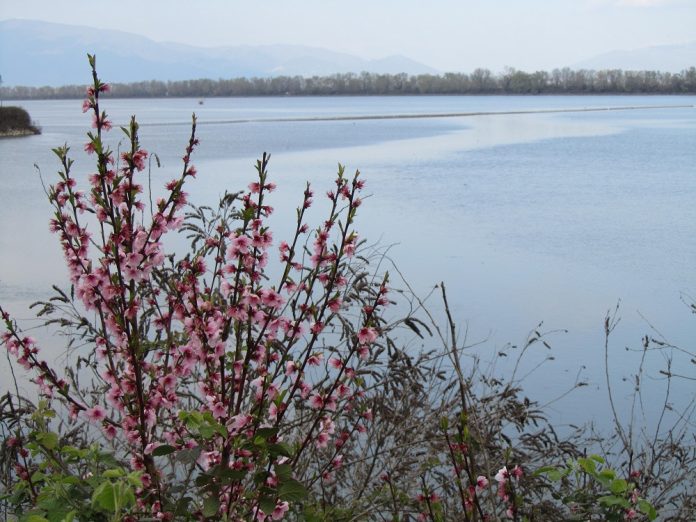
{"x":666,"y":58}
{"x":35,"y":53}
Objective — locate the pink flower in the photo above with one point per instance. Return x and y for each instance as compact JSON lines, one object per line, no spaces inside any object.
{"x":219,"y":410}
{"x":290,"y":368}
{"x":367,"y":335}
{"x":315,"y":359}
{"x":503,"y":475}
{"x":481,"y":482}
{"x":271,"y":298}
{"x":95,"y":414}
{"x":238,"y":246}
{"x":139,"y":158}
{"x":316,"y":401}
{"x":322,"y":440}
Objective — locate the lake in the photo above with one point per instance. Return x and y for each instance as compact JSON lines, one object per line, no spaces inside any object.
{"x":551,"y":217}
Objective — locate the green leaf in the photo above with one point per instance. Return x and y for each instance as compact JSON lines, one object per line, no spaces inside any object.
{"x":105,"y":496}
{"x":47,"y":439}
{"x":113,"y":473}
{"x":211,"y":505}
{"x":248,"y":214}
{"x":597,"y":458}
{"x":203,"y":480}
{"x":618,"y":486}
{"x":206,"y":431}
{"x":164,"y":449}
{"x":70,"y":516}
{"x":647,"y":508}
{"x":292,"y":491}
{"x":267,"y":504}
{"x":34,"y":518}
{"x":228,"y":476}
{"x":607,"y":474}
{"x":127,"y":497}
{"x":188,"y":456}
{"x":134,"y":479}
{"x":612,"y":500}
{"x":37,"y":476}
{"x":283,"y":471}
{"x":282,"y":448}
{"x":588,"y":465}
{"x":266,"y":433}
{"x":555,"y":475}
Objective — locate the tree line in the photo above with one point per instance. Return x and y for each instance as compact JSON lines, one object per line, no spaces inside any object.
{"x":480,"y":81}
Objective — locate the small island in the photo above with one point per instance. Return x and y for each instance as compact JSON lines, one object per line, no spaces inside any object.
{"x":15,"y":121}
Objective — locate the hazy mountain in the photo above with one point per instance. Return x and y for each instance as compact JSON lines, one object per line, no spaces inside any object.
{"x":666,"y":58}
{"x":37,"y":53}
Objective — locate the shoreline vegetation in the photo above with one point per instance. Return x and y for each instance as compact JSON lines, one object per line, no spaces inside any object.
{"x":16,"y":122}
{"x":479,"y":82}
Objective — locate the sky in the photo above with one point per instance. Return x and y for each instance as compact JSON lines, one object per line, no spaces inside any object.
{"x":444,"y":34}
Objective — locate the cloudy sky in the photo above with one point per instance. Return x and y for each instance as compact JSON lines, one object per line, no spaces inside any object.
{"x":445,"y":34}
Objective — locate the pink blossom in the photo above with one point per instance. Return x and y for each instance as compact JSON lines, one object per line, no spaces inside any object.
{"x":219,"y":410}
{"x":322,"y":440}
{"x":367,"y":335}
{"x":316,"y":401}
{"x":110,"y":432}
{"x":315,"y":359}
{"x":239,"y":245}
{"x":271,"y":298}
{"x":95,"y":414}
{"x":280,"y":510}
{"x":502,"y":476}
{"x":290,"y":368}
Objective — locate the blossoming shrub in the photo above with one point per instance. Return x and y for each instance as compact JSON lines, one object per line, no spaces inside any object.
{"x":212,"y":379}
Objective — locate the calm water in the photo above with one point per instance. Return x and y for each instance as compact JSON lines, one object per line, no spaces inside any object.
{"x":527,"y":218}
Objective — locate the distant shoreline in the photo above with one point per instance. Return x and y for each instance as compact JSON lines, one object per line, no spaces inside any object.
{"x":479,"y":82}
{"x":111,"y":96}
